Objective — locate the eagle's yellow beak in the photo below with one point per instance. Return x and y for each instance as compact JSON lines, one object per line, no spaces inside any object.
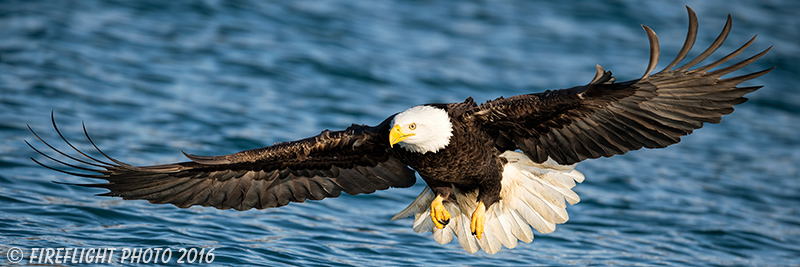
{"x":397,"y":136}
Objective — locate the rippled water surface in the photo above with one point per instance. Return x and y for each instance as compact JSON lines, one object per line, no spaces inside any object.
{"x":214,"y":77}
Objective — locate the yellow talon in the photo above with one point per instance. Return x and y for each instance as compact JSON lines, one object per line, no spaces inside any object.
{"x":478,"y":220}
{"x":439,"y":215}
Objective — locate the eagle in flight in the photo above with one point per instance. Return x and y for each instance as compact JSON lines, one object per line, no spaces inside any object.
{"x":493,"y":171}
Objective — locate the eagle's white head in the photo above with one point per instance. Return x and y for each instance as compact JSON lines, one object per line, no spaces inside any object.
{"x":421,"y":129}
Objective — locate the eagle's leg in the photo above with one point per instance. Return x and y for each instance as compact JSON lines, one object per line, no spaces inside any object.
{"x":487,"y":195}
{"x":439,"y":214}
{"x":478,"y":220}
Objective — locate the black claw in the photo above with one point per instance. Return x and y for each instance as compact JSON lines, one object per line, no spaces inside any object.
{"x":444,"y":222}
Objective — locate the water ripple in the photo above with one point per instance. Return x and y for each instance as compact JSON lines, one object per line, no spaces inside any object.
{"x":214,"y":77}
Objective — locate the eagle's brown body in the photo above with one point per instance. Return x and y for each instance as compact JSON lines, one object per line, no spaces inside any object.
{"x":455,"y":165}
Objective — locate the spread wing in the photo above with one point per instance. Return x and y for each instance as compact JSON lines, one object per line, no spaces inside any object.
{"x":606,"y":118}
{"x":354,"y":161}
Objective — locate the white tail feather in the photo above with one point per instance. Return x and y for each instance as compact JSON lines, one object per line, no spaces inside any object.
{"x":465,"y":237}
{"x":532,"y":195}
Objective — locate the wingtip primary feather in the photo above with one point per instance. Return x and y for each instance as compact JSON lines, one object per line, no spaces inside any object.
{"x":655,"y":51}
{"x":691,"y":37}
{"x":120,"y":163}
{"x":69,"y":172}
{"x":598,"y":74}
{"x":711,"y":48}
{"x":746,"y":77}
{"x":55,"y":126}
{"x":65,"y":154}
{"x":727,"y":57}
{"x":740,"y":64}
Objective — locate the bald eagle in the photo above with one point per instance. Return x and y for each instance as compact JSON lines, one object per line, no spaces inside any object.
{"x":493,"y":171}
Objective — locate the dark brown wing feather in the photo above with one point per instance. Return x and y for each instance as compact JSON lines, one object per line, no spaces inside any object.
{"x":605,"y":118}
{"x":354,"y":161}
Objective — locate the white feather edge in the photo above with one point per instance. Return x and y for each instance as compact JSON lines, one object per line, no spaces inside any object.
{"x":532,"y":195}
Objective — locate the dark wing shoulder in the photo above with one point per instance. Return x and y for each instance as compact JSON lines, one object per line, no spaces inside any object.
{"x":354,"y":161}
{"x":606,"y":118}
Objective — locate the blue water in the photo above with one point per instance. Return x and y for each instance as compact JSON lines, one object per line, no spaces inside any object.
{"x":214,"y":77}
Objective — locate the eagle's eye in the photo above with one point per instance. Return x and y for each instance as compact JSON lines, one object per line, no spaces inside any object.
{"x":412,"y":126}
